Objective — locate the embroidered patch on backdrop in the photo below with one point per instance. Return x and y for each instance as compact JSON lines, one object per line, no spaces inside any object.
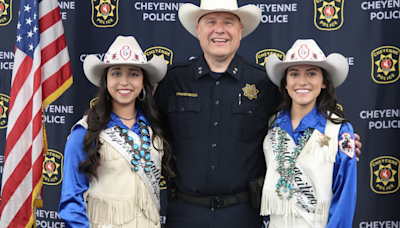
{"x":347,"y":145}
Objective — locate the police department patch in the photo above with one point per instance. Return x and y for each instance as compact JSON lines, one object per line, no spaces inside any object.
{"x":4,"y":103}
{"x":52,"y":167}
{"x":261,"y":56}
{"x":385,"y":64}
{"x":385,"y":174}
{"x":163,"y":183}
{"x":104,"y":13}
{"x":93,"y":102}
{"x":328,"y":15}
{"x":5,"y":12}
{"x":163,"y":52}
{"x":347,"y":144}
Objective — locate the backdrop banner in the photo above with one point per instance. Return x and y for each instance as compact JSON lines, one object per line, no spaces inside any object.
{"x":365,"y":32}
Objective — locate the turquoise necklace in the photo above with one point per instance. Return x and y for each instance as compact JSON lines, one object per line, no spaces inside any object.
{"x":287,"y":174}
{"x":140,"y":154}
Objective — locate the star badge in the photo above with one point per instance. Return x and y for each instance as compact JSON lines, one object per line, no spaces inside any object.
{"x":323,"y":140}
{"x":250,"y":91}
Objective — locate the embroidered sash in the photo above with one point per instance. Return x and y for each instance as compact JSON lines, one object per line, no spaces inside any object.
{"x":152,"y":178}
{"x":303,"y":199}
{"x":311,"y":182}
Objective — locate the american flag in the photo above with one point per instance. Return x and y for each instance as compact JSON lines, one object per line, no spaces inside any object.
{"x":42,"y":72}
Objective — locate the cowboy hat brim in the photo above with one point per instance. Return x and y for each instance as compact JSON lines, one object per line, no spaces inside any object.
{"x":335,"y":65}
{"x":94,"y":68}
{"x":189,"y":15}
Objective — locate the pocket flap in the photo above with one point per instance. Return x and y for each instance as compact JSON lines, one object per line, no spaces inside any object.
{"x":184,"y":105}
{"x":248,"y":109}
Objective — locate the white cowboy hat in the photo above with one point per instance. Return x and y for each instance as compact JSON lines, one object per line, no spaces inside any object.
{"x":307,"y":52}
{"x":189,"y":14}
{"x":125,"y":50}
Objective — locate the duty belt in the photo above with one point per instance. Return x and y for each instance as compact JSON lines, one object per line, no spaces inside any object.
{"x":215,"y":201}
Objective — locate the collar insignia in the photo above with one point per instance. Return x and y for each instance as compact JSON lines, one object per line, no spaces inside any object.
{"x":250,"y":91}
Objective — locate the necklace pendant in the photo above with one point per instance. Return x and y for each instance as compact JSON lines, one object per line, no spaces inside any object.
{"x":141,"y":154}
{"x":287,"y":173}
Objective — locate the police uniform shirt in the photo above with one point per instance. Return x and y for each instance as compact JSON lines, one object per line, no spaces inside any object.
{"x":217,"y":124}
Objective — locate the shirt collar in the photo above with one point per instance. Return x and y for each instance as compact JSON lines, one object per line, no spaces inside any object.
{"x":202,"y":68}
{"x":115,"y":121}
{"x":313,"y":119}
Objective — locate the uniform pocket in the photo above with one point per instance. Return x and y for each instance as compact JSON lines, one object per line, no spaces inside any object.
{"x":184,"y":116}
{"x":248,"y":121}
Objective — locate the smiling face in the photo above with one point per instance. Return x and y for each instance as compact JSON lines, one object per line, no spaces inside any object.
{"x":219,"y":35}
{"x":124,"y":83}
{"x":304,"y":84}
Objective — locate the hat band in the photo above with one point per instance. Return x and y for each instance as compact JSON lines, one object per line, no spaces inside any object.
{"x":124,"y":54}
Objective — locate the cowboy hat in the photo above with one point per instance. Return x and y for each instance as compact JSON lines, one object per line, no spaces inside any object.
{"x":125,"y":50}
{"x":307,"y":52}
{"x":189,"y":14}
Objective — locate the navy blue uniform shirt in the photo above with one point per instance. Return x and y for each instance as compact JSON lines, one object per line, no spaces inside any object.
{"x":217,"y":127}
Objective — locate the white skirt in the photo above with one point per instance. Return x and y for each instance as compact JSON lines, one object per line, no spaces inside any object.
{"x":277,"y":221}
{"x":140,"y":221}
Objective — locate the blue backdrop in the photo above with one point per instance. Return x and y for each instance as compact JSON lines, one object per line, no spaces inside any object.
{"x":365,"y":32}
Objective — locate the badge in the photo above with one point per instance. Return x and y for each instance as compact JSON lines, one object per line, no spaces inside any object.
{"x":328,"y":15}
{"x":4,"y":104}
{"x":163,"y":52}
{"x":385,"y":64}
{"x":385,"y":174}
{"x":347,"y":145}
{"x":52,"y":167}
{"x":5,"y":12}
{"x":323,"y":140}
{"x":104,"y":13}
{"x":261,"y":56}
{"x":250,"y":91}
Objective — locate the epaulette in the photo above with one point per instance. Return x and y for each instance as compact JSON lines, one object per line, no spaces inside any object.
{"x":182,"y":64}
{"x":253,"y":64}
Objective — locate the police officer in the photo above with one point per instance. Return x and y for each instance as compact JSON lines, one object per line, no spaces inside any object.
{"x":217,"y":108}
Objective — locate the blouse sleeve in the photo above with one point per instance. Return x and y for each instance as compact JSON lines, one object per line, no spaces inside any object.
{"x":344,"y":185}
{"x":72,"y":207}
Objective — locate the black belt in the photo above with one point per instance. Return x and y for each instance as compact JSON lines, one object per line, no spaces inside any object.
{"x":215,"y":201}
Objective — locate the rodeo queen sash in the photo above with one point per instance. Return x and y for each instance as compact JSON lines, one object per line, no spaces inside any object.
{"x":309,"y":186}
{"x":141,"y":157}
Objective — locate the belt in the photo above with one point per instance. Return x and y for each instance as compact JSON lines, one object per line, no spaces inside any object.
{"x":215,"y":201}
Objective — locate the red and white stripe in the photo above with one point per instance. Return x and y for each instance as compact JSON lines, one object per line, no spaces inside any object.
{"x":35,"y":81}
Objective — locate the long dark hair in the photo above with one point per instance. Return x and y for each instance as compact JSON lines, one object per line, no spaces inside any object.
{"x":99,"y":115}
{"x":327,"y":101}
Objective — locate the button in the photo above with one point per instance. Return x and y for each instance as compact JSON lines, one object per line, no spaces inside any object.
{"x":250,"y":111}
{"x":212,"y":167}
{"x":182,"y":109}
{"x":213,"y":145}
{"x":217,"y":102}
{"x":215,"y":123}
{"x":217,"y":83}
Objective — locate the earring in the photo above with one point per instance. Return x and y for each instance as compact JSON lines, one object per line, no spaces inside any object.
{"x":144,"y":95}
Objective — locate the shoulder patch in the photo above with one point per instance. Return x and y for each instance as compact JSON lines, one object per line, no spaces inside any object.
{"x":347,"y":145}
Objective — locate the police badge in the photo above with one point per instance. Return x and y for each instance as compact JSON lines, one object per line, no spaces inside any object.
{"x":104,"y":13}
